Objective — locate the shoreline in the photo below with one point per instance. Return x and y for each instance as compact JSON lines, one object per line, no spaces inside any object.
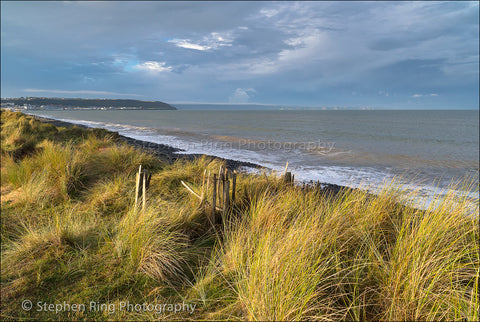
{"x":162,"y":151}
{"x":170,"y":154}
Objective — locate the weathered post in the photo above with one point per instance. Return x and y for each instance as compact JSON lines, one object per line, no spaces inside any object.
{"x":137,"y":185}
{"x":226,"y":196}
{"x":214,"y":193}
{"x":208,"y":183}
{"x":221,"y":179}
{"x":234,"y":183}
{"x":144,"y":190}
{"x":149,"y":177}
{"x":288,"y":177}
{"x":203,"y":185}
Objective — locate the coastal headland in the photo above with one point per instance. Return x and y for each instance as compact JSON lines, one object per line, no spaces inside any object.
{"x":53,"y":103}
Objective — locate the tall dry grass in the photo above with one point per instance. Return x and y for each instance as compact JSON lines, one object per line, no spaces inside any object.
{"x":70,"y":231}
{"x":55,"y":172}
{"x":355,"y":256}
{"x":146,"y":241}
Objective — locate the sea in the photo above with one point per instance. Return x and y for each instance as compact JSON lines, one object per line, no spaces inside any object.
{"x":424,"y":150}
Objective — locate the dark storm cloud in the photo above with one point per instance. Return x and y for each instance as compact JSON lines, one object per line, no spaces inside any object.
{"x":311,"y":53}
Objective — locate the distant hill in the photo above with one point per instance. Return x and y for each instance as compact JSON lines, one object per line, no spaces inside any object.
{"x":89,"y":103}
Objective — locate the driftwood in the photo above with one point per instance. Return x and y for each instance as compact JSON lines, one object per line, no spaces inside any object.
{"x":195,"y":194}
{"x":190,"y":189}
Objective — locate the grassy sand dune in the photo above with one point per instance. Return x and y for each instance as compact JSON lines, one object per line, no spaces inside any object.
{"x":70,"y":234}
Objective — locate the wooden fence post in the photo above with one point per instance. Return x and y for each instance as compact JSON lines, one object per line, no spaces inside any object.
{"x":137,"y":185}
{"x":221,"y":179}
{"x":149,"y":177}
{"x":214,"y":198}
{"x":208,"y":184}
{"x":226,"y":196}
{"x":203,"y":185}
{"x":286,"y":167}
{"x":288,"y":177}
{"x":234,"y":183}
{"x":144,"y":190}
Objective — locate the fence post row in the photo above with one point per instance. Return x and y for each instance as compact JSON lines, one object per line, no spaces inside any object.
{"x":220,"y":185}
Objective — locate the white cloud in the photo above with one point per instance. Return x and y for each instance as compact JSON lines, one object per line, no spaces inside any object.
{"x":269,"y":12}
{"x":214,"y":40}
{"x":154,"y":66}
{"x":186,"y":43}
{"x":241,"y":95}
{"x":310,"y":48}
{"x":424,"y":95}
{"x":383,"y":93}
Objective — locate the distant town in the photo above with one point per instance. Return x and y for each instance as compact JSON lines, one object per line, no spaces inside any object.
{"x":55,"y":103}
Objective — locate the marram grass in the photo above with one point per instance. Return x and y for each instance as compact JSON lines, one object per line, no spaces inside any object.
{"x":70,"y":233}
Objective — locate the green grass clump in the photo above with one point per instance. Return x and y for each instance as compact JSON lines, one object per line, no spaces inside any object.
{"x":55,"y":170}
{"x":70,"y":232}
{"x":150,"y":246}
{"x":20,"y":134}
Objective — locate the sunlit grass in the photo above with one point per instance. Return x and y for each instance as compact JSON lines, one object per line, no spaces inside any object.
{"x":71,"y":232}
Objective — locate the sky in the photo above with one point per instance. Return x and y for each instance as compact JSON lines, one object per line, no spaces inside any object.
{"x":379,"y":54}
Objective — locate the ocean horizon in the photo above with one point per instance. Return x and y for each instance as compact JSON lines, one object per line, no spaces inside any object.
{"x":427,"y":150}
